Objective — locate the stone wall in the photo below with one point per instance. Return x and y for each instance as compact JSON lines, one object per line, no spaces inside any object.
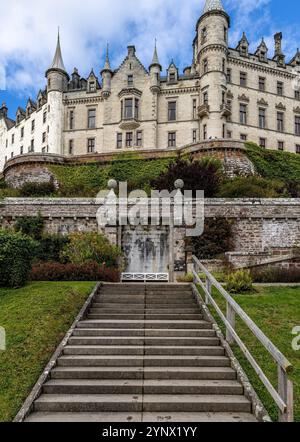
{"x":263,"y":230}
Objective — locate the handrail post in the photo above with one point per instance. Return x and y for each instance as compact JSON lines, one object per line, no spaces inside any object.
{"x":230,"y":316}
{"x":208,"y":288}
{"x":285,"y":389}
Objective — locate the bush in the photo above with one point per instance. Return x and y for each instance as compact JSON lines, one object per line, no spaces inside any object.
{"x":205,"y":174}
{"x":252,"y":187}
{"x":50,"y":248}
{"x":216,"y":239}
{"x":276,"y":275}
{"x":31,"y":226}
{"x":32,"y":189}
{"x":239,"y":282}
{"x":89,"y":271}
{"x":84,"y":247}
{"x":16,"y":255}
{"x":189,"y":277}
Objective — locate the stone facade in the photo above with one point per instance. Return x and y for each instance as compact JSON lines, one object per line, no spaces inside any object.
{"x":263,"y":230}
{"x":226,"y":94}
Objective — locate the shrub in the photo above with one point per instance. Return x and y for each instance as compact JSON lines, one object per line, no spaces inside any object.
{"x":216,"y":239}
{"x":252,"y":187}
{"x":32,"y":189}
{"x":189,"y":277}
{"x":30,"y":225}
{"x":276,"y":275}
{"x":50,"y":248}
{"x":83,"y":247}
{"x":16,"y":255}
{"x":89,"y":271}
{"x":205,"y":174}
{"x":239,"y":281}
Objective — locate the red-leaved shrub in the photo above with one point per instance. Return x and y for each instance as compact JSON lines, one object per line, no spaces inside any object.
{"x":89,"y":271}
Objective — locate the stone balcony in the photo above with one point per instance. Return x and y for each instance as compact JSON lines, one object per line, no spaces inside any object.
{"x":203,"y":110}
{"x":129,"y":123}
{"x":226,"y":110}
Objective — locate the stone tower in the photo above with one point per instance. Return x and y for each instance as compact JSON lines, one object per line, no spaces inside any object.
{"x":211,"y":60}
{"x":57,"y":83}
{"x":106,"y":74}
{"x":155,"y":70}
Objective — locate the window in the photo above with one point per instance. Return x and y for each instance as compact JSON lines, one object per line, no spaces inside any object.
{"x":243,"y":137}
{"x":13,"y":139}
{"x":31,"y":149}
{"x":130,"y":80}
{"x":262,"y":84}
{"x":91,"y":145}
{"x":44,"y":137}
{"x":21,"y":150}
{"x":6,"y":143}
{"x":229,"y":134}
{"x":297,"y":125}
{"x":204,"y":132}
{"x":195,"y":136}
{"x":128,"y":108}
{"x":228,"y":75}
{"x":205,"y":98}
{"x":172,"y":77}
{"x":205,"y":66}
{"x":71,"y":120}
{"x":139,"y":138}
{"x":44,"y":117}
{"x":136,"y":108}
{"x":280,"y":121}
{"x":262,"y":118}
{"x":280,"y":145}
{"x":225,"y":34}
{"x":262,"y":142}
{"x":172,"y":139}
{"x":223,"y":97}
{"x":172,"y":110}
{"x":12,"y":155}
{"x":243,"y":113}
{"x":203,"y":35}
{"x":32,"y":125}
{"x":71,"y":147}
{"x":243,"y":79}
{"x":92,"y":86}
{"x":119,"y":140}
{"x":297,"y":95}
{"x":129,"y":139}
{"x":279,"y":88}
{"x":22,"y":132}
{"x":223,"y":65}
{"x":298,"y":148}
{"x":91,"y":118}
{"x":194,"y":109}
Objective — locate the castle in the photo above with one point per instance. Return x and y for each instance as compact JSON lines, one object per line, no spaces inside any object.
{"x":226,"y":94}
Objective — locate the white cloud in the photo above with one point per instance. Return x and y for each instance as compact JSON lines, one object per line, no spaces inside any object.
{"x":28,"y":33}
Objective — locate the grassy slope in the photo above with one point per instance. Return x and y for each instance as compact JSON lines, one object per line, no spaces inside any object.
{"x":276,"y":310}
{"x":36,"y":318}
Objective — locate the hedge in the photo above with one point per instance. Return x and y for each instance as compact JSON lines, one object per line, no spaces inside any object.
{"x":89,"y":271}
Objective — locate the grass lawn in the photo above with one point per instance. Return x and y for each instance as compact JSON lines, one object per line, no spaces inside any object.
{"x":276,"y":310}
{"x":35,"y":317}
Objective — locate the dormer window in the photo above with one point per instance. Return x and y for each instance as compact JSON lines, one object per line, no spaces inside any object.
{"x":92,"y":86}
{"x":172,"y":77}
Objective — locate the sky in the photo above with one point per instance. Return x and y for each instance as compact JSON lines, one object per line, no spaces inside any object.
{"x":28,"y":34}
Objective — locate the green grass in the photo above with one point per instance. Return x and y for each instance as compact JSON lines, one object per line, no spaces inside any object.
{"x":35,"y":317}
{"x":276,"y":310}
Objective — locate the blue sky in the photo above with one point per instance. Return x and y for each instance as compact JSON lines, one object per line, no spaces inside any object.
{"x":28,"y":34}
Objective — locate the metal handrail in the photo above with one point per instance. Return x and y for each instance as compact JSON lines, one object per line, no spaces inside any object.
{"x":284,"y":396}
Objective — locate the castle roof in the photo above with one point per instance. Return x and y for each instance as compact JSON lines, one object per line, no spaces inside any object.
{"x":213,"y":5}
{"x":155,"y":60}
{"x":57,"y":62}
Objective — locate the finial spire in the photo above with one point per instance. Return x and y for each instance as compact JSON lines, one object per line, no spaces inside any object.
{"x":58,"y":60}
{"x":107,"y":62}
{"x":155,"y":59}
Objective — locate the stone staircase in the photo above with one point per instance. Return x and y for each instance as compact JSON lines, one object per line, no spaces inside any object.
{"x":143,"y":353}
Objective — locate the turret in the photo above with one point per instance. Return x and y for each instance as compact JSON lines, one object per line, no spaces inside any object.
{"x":57,"y":84}
{"x":155,"y":70}
{"x":3,"y":111}
{"x":211,"y":64}
{"x":106,"y":74}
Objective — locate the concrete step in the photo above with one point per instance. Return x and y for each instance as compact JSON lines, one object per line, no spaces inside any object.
{"x":145,"y":341}
{"x":165,"y":417}
{"x":163,"y":307}
{"x":158,"y":333}
{"x":141,"y":350}
{"x":146,"y":403}
{"x":167,"y":373}
{"x":154,"y":299}
{"x":125,"y":386}
{"x":142,"y":310}
{"x":140,"y":316}
{"x":147,"y":324}
{"x":139,"y":361}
